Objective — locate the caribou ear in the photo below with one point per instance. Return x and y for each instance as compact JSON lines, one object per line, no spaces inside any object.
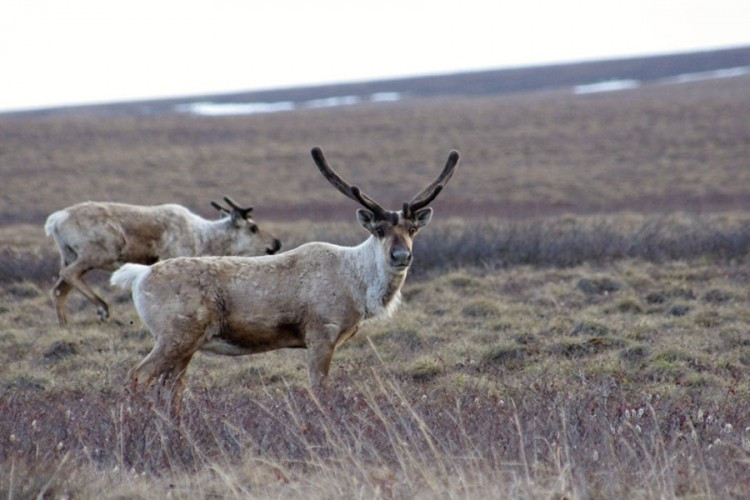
{"x":422,"y":217}
{"x":366,"y":218}
{"x":238,"y":220}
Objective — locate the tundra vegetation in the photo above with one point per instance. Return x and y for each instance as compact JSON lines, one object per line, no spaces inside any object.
{"x":576,"y":322}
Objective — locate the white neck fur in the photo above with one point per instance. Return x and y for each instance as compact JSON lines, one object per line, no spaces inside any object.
{"x":369,"y":265}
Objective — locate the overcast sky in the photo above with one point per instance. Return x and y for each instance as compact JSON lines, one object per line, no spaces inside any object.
{"x":56,"y":52}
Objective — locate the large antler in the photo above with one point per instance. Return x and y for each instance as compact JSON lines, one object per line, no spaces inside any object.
{"x":350,"y":191}
{"x":425,"y":197}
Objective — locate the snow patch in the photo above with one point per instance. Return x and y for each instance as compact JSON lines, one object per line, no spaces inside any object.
{"x":706,"y":75}
{"x":608,"y":86}
{"x":234,"y":108}
{"x":385,"y":97}
{"x":330,"y":102}
{"x":615,"y":85}
{"x":207,"y":108}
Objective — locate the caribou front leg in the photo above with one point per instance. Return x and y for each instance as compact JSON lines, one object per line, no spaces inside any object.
{"x":320,"y":346}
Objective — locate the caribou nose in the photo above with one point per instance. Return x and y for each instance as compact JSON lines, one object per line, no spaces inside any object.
{"x":275,"y":248}
{"x":400,"y":256}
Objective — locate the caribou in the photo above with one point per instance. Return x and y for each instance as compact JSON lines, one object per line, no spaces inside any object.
{"x":96,"y":235}
{"x":315,"y":296}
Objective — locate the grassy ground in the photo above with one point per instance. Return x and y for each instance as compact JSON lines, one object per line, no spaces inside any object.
{"x":628,"y":378}
{"x":561,"y":335}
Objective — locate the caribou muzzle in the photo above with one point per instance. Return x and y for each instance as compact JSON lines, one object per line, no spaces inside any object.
{"x":400,"y":257}
{"x":275,"y":248}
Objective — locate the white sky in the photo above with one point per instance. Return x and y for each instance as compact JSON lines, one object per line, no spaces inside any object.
{"x":56,"y":52}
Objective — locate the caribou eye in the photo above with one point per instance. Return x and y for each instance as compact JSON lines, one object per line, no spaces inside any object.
{"x":412,"y":231}
{"x":380,"y":231}
{"x":253,"y":228}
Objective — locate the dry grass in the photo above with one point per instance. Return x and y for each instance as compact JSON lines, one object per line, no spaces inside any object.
{"x":599,"y":351}
{"x":580,"y":381}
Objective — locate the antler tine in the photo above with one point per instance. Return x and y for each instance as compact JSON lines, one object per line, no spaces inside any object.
{"x":219,"y":207}
{"x":373,"y":206}
{"x":350,"y":191}
{"x":416,"y":205}
{"x":243,"y":211}
{"x":330,"y":174}
{"x":425,"y":197}
{"x":443,"y":178}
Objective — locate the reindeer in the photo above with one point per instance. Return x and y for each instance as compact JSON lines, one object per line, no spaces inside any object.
{"x":95,"y":235}
{"x":315,"y":296}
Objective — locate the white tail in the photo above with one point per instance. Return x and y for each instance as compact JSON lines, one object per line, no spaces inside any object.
{"x":53,"y":221}
{"x":126,"y":276}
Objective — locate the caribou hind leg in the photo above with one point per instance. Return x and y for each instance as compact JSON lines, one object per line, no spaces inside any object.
{"x":59,"y":294}
{"x":73,"y":276}
{"x":169,"y":374}
{"x":167,"y":363}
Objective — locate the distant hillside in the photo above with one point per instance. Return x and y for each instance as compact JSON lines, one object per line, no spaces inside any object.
{"x":643,"y":69}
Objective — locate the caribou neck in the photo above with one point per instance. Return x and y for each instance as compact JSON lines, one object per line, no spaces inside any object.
{"x":380,"y":285}
{"x":212,"y":235}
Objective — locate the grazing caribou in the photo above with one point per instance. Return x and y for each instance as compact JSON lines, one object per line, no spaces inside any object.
{"x":94,"y":235}
{"x":315,"y":296}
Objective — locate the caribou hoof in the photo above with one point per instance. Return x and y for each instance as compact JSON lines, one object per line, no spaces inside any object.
{"x":103,"y":314}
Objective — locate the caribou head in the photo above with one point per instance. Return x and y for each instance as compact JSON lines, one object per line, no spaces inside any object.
{"x":248,"y":231}
{"x":394,"y":230}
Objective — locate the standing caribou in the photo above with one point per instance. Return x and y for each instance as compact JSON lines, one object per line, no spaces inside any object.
{"x":95,"y":235}
{"x":315,"y":296}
